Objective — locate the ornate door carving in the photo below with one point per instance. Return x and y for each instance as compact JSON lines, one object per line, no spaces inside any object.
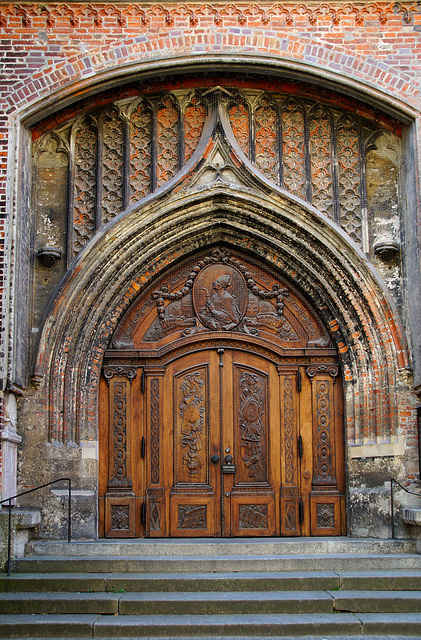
{"x":223,"y":416}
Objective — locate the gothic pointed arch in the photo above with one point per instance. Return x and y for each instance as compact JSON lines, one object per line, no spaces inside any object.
{"x":307,"y":248}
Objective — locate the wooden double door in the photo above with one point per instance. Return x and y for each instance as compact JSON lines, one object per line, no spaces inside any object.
{"x":222,"y":441}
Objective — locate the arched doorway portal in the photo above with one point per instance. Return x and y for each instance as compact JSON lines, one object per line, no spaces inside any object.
{"x":221,"y":410}
{"x":231,"y":180}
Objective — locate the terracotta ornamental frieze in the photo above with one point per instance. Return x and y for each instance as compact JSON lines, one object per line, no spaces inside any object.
{"x":135,"y":15}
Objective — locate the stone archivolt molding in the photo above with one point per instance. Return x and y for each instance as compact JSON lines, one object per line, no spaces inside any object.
{"x":242,"y":14}
{"x":238,"y":206}
{"x":313,"y":253}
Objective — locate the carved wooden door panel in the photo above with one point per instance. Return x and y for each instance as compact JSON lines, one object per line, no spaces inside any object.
{"x":220,"y":451}
{"x":191,"y":422}
{"x":251,"y":445}
{"x":224,"y":442}
{"x":221,"y":410}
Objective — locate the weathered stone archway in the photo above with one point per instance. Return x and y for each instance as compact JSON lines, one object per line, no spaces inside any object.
{"x":306,"y":247}
{"x":249,"y":213}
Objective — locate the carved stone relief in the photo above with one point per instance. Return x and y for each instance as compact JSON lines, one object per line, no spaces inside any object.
{"x":267,"y":138}
{"x":349,"y":158}
{"x":168,"y":140}
{"x":140,"y":150}
{"x":84,"y":182}
{"x":293,"y":148}
{"x":194,"y":119}
{"x":321,"y":138}
{"x":112,"y":165}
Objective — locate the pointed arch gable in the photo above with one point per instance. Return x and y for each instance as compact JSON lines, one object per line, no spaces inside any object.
{"x":308,"y":250}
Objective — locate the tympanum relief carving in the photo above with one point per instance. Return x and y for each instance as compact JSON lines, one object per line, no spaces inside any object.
{"x":220,"y":294}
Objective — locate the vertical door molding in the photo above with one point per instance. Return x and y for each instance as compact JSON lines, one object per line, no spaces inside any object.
{"x":325,"y":499}
{"x":290,"y":490}
{"x":155,"y":512}
{"x":120,"y":499}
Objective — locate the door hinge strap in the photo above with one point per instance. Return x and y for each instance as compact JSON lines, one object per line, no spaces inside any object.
{"x":301,"y":511}
{"x":299,"y":381}
{"x":143,"y":448}
{"x":143,"y":513}
{"x":300,"y":446}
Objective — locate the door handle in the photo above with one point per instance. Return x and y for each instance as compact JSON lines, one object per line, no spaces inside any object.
{"x":215,"y":458}
{"x":228,"y":467}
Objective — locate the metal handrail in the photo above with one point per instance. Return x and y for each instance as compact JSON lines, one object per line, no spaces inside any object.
{"x":392,"y":502}
{"x":18,"y":495}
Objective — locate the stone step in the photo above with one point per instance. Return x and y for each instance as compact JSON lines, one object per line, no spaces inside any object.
{"x":203,"y":563}
{"x":221,"y":546}
{"x":306,"y":637}
{"x":209,"y":603}
{"x":385,"y":580}
{"x":257,"y":625}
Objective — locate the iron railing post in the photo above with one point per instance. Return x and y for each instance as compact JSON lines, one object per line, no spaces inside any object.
{"x":392,"y":509}
{"x":9,"y":539}
{"x":69,"y":523}
{"x":18,"y":495}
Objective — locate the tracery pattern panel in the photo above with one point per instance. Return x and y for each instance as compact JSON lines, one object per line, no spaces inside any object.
{"x":112,"y":165}
{"x":320,"y":141}
{"x":293,"y":148}
{"x":120,"y":516}
{"x":84,"y":182}
{"x":349,"y":176}
{"x":140,"y":151}
{"x":167,"y":123}
{"x":266,"y":138}
{"x":194,"y":119}
{"x":240,"y":122}
{"x":325,"y":516}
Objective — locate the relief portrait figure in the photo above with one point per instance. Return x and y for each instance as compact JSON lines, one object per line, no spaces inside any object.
{"x":220,"y":298}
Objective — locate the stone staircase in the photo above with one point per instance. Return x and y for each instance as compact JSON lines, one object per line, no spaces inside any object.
{"x":276,"y":588}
